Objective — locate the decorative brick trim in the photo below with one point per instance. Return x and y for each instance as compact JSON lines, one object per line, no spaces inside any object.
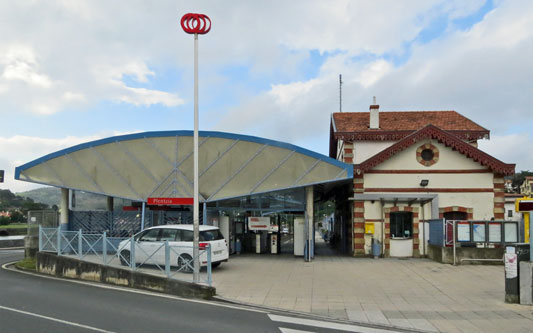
{"x":416,"y":241}
{"x":434,"y":150}
{"x":499,"y":194}
{"x":454,"y":171}
{"x":448,"y":139}
{"x":469,"y":211}
{"x":359,"y":226}
{"x":424,"y":190}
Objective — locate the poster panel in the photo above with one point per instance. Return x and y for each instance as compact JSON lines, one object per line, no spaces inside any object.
{"x":511,"y":232}
{"x":495,"y":232}
{"x":479,"y":232}
{"x":463,"y":232}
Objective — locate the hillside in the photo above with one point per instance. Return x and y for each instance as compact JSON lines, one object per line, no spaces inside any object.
{"x":52,"y":196}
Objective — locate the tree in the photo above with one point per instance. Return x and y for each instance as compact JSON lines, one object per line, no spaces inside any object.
{"x":4,"y":220}
{"x":17,"y":217}
{"x":519,"y":177}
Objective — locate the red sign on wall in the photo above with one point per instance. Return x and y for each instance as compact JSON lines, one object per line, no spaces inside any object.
{"x":170,"y":201}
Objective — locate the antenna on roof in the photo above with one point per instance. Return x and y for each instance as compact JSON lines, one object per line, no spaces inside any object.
{"x":340,"y":92}
{"x":374,"y":100}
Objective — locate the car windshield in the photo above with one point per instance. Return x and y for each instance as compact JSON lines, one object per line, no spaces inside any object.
{"x":210,"y":235}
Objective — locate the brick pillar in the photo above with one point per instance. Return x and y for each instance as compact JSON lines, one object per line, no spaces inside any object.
{"x":416,"y":233}
{"x":358,"y":218}
{"x":348,"y":152}
{"x":387,"y":234}
{"x":499,"y":197}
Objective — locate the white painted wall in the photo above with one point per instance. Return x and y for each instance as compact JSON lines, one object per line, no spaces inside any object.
{"x":366,"y":149}
{"x":401,"y":247}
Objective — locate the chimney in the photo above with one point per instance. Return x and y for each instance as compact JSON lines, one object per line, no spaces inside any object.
{"x":374,"y":115}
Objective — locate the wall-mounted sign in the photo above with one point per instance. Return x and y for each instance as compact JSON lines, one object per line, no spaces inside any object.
{"x":259,"y":223}
{"x":479,"y":232}
{"x":463,"y":232}
{"x":170,"y":201}
{"x":495,"y":232}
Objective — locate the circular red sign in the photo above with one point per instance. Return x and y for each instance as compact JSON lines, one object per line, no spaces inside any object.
{"x":196,"y":23}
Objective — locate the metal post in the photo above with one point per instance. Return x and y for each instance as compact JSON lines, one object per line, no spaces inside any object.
{"x":196,"y":227}
{"x":209,"y":264}
{"x":80,"y":244}
{"x":453,"y":242}
{"x":132,"y":253}
{"x":40,"y":238}
{"x":59,"y":240}
{"x":204,"y":220}
{"x":167,"y":259}
{"x":530,"y":237}
{"x":142,"y":216}
{"x":104,"y":248}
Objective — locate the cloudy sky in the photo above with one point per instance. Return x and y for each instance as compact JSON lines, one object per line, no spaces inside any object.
{"x":73,"y":71}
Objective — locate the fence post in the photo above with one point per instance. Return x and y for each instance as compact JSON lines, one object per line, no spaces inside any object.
{"x":59,"y":240}
{"x":104,"y":248}
{"x":80,"y":244}
{"x":209,"y":264}
{"x":454,"y":242}
{"x":132,"y":253}
{"x":40,"y":238}
{"x":167,"y":259}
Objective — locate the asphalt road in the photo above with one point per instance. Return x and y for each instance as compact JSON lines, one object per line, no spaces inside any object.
{"x":30,"y":303}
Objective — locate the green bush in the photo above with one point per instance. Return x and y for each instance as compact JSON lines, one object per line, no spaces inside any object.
{"x":4,"y":220}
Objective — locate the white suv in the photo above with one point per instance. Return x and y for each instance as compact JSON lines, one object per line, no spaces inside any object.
{"x":149,"y":242}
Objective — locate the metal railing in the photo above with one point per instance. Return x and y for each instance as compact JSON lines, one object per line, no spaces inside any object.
{"x":173,"y":261}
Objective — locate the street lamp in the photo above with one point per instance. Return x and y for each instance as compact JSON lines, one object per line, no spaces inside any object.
{"x":196,"y":24}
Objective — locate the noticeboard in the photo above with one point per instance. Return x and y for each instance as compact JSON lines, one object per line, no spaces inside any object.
{"x":463,"y":232}
{"x":495,"y":232}
{"x":478,"y":230}
{"x":510,"y":232}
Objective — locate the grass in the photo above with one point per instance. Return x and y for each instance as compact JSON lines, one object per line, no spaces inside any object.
{"x":14,"y":226}
{"x":27,"y":263}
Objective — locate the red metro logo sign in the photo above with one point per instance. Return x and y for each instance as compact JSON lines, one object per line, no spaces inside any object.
{"x":196,"y":23}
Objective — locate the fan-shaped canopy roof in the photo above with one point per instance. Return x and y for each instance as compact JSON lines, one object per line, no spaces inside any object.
{"x":160,"y":164}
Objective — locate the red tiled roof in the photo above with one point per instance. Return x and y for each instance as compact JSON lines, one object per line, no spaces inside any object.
{"x":444,"y":137}
{"x":395,"y":125}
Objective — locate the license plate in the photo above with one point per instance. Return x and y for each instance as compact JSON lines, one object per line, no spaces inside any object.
{"x":217,"y":252}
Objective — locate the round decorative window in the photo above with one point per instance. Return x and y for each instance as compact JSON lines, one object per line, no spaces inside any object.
{"x":427,"y":154}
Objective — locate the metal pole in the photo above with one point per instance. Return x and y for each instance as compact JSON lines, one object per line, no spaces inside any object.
{"x":142,"y":216}
{"x":196,"y":227}
{"x":530,"y":237}
{"x":454,"y":243}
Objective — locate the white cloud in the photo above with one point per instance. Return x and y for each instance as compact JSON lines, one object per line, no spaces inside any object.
{"x":19,"y":149}
{"x":511,"y":148}
{"x":142,"y":96}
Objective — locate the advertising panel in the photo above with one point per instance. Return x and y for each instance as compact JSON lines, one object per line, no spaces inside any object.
{"x":259,"y":223}
{"x":463,"y":232}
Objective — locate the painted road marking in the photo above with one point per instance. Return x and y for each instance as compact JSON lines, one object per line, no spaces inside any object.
{"x":55,"y":319}
{"x":290,"y":330}
{"x":129,"y":290}
{"x":325,"y":324}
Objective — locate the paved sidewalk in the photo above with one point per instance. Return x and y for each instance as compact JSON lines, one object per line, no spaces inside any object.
{"x":413,"y":293}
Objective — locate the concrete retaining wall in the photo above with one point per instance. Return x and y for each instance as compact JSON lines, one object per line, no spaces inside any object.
{"x":445,"y":255}
{"x":52,"y":264}
{"x":11,"y":241}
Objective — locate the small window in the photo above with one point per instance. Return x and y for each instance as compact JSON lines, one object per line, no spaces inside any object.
{"x":401,"y":225}
{"x":150,"y":236}
{"x":168,"y":234}
{"x":510,"y":213}
{"x":427,"y":154}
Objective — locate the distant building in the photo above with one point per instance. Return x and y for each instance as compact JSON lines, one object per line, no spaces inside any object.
{"x":527,"y":186}
{"x":413,"y":166}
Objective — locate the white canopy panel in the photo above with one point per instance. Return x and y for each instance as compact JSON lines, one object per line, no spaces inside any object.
{"x":160,"y":164}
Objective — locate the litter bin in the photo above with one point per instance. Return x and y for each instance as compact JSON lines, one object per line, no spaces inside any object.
{"x":514,"y":254}
{"x":376,"y":249}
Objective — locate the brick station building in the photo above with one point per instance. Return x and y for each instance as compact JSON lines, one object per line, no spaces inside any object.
{"x":410,"y":167}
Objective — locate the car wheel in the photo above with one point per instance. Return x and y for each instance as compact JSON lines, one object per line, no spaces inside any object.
{"x":125,"y":258}
{"x":215,"y":264}
{"x":184,"y":263}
